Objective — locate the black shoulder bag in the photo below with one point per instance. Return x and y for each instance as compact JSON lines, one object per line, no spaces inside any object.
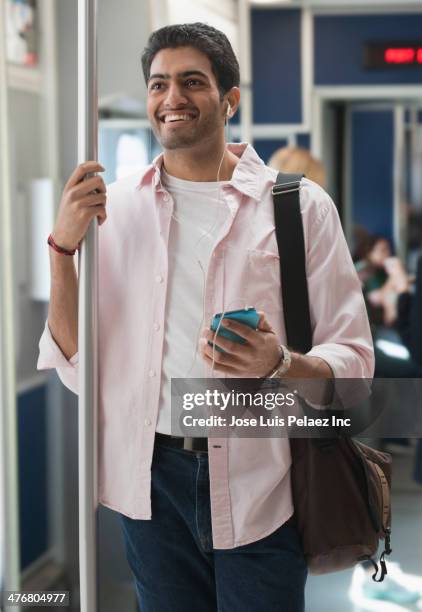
{"x":341,"y":487}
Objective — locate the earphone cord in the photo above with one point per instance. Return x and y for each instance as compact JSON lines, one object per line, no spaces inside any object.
{"x":203,"y":294}
{"x":207,"y":233}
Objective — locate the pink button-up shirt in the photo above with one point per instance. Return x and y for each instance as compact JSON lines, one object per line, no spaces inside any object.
{"x":249,"y":478}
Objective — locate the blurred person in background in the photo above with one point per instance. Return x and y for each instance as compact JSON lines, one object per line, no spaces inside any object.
{"x":296,"y":160}
{"x":383,"y":278}
{"x":384,"y":281}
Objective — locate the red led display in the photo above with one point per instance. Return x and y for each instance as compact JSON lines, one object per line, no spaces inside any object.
{"x":400,"y":56}
{"x":393,"y":55}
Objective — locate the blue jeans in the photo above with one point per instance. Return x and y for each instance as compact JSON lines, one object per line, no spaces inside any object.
{"x":175,"y":566}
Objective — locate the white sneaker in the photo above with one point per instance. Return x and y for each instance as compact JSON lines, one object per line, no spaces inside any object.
{"x":397,"y":587}
{"x":410,"y":581}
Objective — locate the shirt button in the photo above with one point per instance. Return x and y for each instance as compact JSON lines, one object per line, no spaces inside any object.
{"x":159,"y":278}
{"x":151,"y":373}
{"x":156,"y":326}
{"x":147,"y":422}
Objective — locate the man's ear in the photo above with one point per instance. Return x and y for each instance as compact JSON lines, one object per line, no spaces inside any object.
{"x":232,"y":102}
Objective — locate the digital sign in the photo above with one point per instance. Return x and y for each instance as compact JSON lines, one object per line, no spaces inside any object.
{"x":393,"y":55}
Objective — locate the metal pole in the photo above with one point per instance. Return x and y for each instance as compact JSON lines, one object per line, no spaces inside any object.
{"x":399,"y":197}
{"x":87,"y":318}
{"x":9,"y":493}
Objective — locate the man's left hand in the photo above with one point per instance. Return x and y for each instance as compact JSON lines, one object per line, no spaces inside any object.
{"x":255,"y":359}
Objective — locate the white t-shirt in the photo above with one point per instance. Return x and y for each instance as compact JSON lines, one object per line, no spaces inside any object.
{"x":198,"y":216}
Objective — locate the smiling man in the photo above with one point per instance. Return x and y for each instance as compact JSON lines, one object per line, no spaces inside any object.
{"x":187,"y":110}
{"x":208,"y":525}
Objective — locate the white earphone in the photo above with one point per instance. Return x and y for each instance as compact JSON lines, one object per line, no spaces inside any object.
{"x":229,"y":110}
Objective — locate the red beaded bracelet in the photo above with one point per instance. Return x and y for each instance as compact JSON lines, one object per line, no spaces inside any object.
{"x":60,"y":249}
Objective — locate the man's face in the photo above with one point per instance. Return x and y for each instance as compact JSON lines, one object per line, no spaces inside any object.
{"x":183,"y":104}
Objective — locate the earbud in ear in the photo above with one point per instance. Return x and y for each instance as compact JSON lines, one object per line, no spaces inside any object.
{"x":229,"y":111}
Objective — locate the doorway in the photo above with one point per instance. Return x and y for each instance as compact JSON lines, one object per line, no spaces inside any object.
{"x":373,"y":153}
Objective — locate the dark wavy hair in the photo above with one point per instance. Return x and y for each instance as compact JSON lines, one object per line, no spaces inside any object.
{"x":203,"y":37}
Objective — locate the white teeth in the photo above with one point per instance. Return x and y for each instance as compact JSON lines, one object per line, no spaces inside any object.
{"x":168,"y":118}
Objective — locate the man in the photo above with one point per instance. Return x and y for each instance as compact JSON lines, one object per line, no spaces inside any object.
{"x":188,"y":237}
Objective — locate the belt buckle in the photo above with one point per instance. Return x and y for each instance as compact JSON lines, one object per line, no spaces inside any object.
{"x":188,"y":444}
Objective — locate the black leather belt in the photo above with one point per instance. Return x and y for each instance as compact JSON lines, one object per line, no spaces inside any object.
{"x":193,"y":444}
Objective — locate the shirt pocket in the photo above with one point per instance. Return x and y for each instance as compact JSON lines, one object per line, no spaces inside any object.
{"x":263,"y":280}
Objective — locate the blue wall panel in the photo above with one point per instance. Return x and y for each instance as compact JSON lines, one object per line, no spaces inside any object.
{"x":372,"y":177}
{"x":276,"y":66}
{"x":339,"y":47}
{"x":304,"y":141}
{"x":265,"y":148}
{"x":32,"y":474}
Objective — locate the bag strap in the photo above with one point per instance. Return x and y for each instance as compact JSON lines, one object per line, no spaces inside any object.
{"x":294,"y":286}
{"x":291,"y":248}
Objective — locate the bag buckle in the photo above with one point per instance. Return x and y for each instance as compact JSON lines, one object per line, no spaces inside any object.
{"x":285,"y":188}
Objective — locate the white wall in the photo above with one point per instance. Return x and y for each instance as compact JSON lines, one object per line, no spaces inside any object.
{"x":122,"y":35}
{"x":123,"y":29}
{"x":25,"y":139}
{"x":221,"y":14}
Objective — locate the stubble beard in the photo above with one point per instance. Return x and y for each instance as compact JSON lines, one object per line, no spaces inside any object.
{"x":187,"y":138}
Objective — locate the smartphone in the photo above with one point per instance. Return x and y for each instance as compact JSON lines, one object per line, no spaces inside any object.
{"x":246,"y":316}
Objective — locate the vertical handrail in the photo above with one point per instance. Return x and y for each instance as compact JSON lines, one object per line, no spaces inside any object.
{"x":9,"y":491}
{"x":87,"y":318}
{"x":399,"y":195}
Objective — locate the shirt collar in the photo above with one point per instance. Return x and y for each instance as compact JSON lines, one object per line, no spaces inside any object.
{"x":247,"y":176}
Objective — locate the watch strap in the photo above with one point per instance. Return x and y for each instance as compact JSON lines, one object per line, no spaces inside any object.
{"x":283,"y":365}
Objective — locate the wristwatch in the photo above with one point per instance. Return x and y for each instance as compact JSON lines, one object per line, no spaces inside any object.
{"x":283,"y":365}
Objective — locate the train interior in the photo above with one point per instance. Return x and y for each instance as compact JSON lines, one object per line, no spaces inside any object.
{"x":306,"y":85}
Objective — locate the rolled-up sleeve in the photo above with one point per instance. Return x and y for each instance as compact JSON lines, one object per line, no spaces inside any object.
{"x":51,"y":356}
{"x":341,"y":332}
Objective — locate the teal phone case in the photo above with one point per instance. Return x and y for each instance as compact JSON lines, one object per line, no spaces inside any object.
{"x":246,"y":316}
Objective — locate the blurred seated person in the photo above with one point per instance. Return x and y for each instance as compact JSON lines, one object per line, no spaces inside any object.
{"x":383,"y":278}
{"x":296,"y":160}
